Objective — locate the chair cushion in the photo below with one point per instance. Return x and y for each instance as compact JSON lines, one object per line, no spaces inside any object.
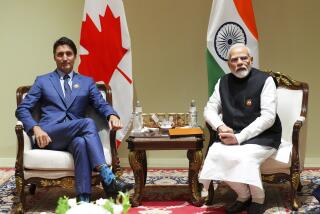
{"x":48,"y":160}
{"x":283,"y":153}
{"x":49,"y":174}
{"x":42,"y":159}
{"x":271,"y":166}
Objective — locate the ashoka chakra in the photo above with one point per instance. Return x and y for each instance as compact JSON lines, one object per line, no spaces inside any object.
{"x":228,"y":34}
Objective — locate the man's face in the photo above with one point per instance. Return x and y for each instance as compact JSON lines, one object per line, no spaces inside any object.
{"x":240,"y":62}
{"x":64,"y":58}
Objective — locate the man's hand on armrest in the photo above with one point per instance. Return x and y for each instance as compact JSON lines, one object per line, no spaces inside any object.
{"x":42,"y":138}
{"x":228,"y":138}
{"x":227,"y":135}
{"x":224,"y":129}
{"x":114,"y":122}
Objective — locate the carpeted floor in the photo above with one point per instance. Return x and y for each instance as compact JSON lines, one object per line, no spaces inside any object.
{"x":166,"y":193}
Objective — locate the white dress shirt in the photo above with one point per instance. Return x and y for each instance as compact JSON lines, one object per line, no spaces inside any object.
{"x":61,"y":74}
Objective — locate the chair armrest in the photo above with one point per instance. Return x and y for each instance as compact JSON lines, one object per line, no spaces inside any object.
{"x":20,"y":137}
{"x":114,"y":153}
{"x":213,"y":136}
{"x":295,"y":166}
{"x":20,"y":145}
{"x":301,"y":118}
{"x":296,"y":132}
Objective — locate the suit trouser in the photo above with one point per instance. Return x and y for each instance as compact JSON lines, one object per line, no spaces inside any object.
{"x":79,"y":137}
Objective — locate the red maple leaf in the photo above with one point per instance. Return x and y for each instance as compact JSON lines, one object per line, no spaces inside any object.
{"x":105,"y":47}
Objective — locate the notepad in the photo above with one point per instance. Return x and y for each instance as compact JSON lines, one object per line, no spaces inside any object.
{"x":177,"y":132}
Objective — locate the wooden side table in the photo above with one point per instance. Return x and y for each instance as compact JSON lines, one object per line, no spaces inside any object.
{"x":138,"y":161}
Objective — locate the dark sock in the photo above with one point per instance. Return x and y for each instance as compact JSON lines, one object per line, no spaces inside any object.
{"x":316,"y":193}
{"x":106,"y":174}
{"x":83,"y":197}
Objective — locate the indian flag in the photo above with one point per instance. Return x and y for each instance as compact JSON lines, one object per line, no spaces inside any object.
{"x":231,"y":21}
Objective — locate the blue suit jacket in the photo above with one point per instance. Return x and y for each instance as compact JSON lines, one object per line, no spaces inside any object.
{"x":47,"y":93}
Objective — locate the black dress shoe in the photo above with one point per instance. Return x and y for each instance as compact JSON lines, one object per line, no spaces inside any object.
{"x":238,"y":206}
{"x":316,"y":193}
{"x":117,"y":185}
{"x":255,"y":208}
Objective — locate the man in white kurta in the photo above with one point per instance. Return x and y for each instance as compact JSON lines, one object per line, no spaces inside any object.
{"x":249,"y":130}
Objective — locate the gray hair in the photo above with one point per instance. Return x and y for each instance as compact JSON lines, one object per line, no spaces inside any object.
{"x":238,"y":45}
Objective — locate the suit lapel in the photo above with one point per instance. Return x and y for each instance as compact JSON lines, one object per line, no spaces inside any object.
{"x":75,"y":88}
{"x":55,"y":80}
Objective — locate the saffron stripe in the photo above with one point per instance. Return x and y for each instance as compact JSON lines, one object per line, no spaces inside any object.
{"x":245,"y":10}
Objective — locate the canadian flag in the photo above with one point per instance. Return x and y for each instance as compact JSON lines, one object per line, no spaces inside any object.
{"x":105,"y":53}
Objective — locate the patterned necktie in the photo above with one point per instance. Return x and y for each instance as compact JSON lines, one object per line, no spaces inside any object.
{"x":67,"y":89}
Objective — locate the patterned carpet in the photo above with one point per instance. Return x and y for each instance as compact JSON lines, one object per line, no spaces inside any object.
{"x":166,"y":193}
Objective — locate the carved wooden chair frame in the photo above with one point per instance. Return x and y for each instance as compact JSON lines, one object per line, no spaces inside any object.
{"x":64,"y":182}
{"x":295,"y":168}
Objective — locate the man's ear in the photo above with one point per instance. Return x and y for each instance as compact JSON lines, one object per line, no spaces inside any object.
{"x":251,"y":60}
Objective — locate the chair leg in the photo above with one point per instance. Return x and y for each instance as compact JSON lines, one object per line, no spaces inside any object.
{"x":295,"y":182}
{"x":116,"y":169}
{"x":210,"y":194}
{"x":32,"y":189}
{"x":299,"y":186}
{"x":20,"y":201}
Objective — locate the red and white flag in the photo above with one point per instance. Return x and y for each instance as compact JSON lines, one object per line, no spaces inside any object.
{"x":105,"y":53}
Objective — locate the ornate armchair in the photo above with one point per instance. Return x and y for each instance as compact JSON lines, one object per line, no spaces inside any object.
{"x":287,"y":163}
{"x":45,"y":168}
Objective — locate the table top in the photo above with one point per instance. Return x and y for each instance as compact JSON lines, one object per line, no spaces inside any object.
{"x":161,"y":141}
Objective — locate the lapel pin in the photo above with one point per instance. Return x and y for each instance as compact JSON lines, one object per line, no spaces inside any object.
{"x":76,"y":85}
{"x":248,"y":102}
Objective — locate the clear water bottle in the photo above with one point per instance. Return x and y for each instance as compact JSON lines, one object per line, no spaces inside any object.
{"x":137,"y":119}
{"x":193,"y":114}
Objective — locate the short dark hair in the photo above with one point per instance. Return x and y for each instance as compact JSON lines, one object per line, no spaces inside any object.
{"x":65,"y":41}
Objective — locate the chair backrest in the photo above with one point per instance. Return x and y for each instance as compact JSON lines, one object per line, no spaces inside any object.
{"x":100,"y":122}
{"x":292,"y":107}
{"x":292,"y":98}
{"x":292,"y":102}
{"x":104,"y":89}
{"x":289,"y":110}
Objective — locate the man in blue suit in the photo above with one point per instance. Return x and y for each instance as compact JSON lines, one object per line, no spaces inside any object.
{"x":63,"y":96}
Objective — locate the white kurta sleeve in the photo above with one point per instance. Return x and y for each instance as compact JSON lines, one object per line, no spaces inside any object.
{"x":213,"y":109}
{"x":268,"y":102}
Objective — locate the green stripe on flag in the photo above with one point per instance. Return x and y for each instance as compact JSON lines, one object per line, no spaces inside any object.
{"x":214,"y":72}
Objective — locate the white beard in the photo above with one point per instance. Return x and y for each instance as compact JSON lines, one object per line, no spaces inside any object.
{"x":243,"y":73}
